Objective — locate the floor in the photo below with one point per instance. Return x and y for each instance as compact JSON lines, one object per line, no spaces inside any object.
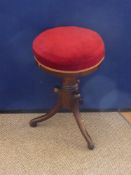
{"x":57,"y":147}
{"x":127,"y":116}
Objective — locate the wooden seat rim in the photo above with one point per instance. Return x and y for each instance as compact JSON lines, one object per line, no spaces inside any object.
{"x":69,"y":73}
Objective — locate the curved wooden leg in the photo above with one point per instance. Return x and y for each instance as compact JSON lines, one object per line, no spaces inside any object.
{"x":53,"y":111}
{"x":81,"y":126}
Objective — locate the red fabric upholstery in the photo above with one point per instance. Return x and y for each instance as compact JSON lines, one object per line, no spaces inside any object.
{"x":68,"y":48}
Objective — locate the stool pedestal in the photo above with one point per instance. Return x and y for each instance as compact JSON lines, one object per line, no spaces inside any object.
{"x":68,"y":97}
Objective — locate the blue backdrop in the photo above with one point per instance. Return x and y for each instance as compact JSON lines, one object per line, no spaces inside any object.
{"x":23,"y":86}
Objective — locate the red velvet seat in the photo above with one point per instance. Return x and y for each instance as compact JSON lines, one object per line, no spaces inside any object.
{"x":69,"y":48}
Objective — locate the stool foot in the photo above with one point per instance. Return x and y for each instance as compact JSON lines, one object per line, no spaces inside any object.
{"x":51,"y":113}
{"x":91,"y":147}
{"x":81,"y":126}
{"x":33,"y":123}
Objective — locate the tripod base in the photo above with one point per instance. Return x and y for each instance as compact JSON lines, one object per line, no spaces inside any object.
{"x":69,"y":97}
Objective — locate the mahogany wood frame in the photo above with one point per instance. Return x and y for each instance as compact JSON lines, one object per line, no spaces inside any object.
{"x":68,"y":97}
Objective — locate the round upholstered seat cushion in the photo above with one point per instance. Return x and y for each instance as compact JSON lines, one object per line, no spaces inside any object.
{"x":69,"y":48}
